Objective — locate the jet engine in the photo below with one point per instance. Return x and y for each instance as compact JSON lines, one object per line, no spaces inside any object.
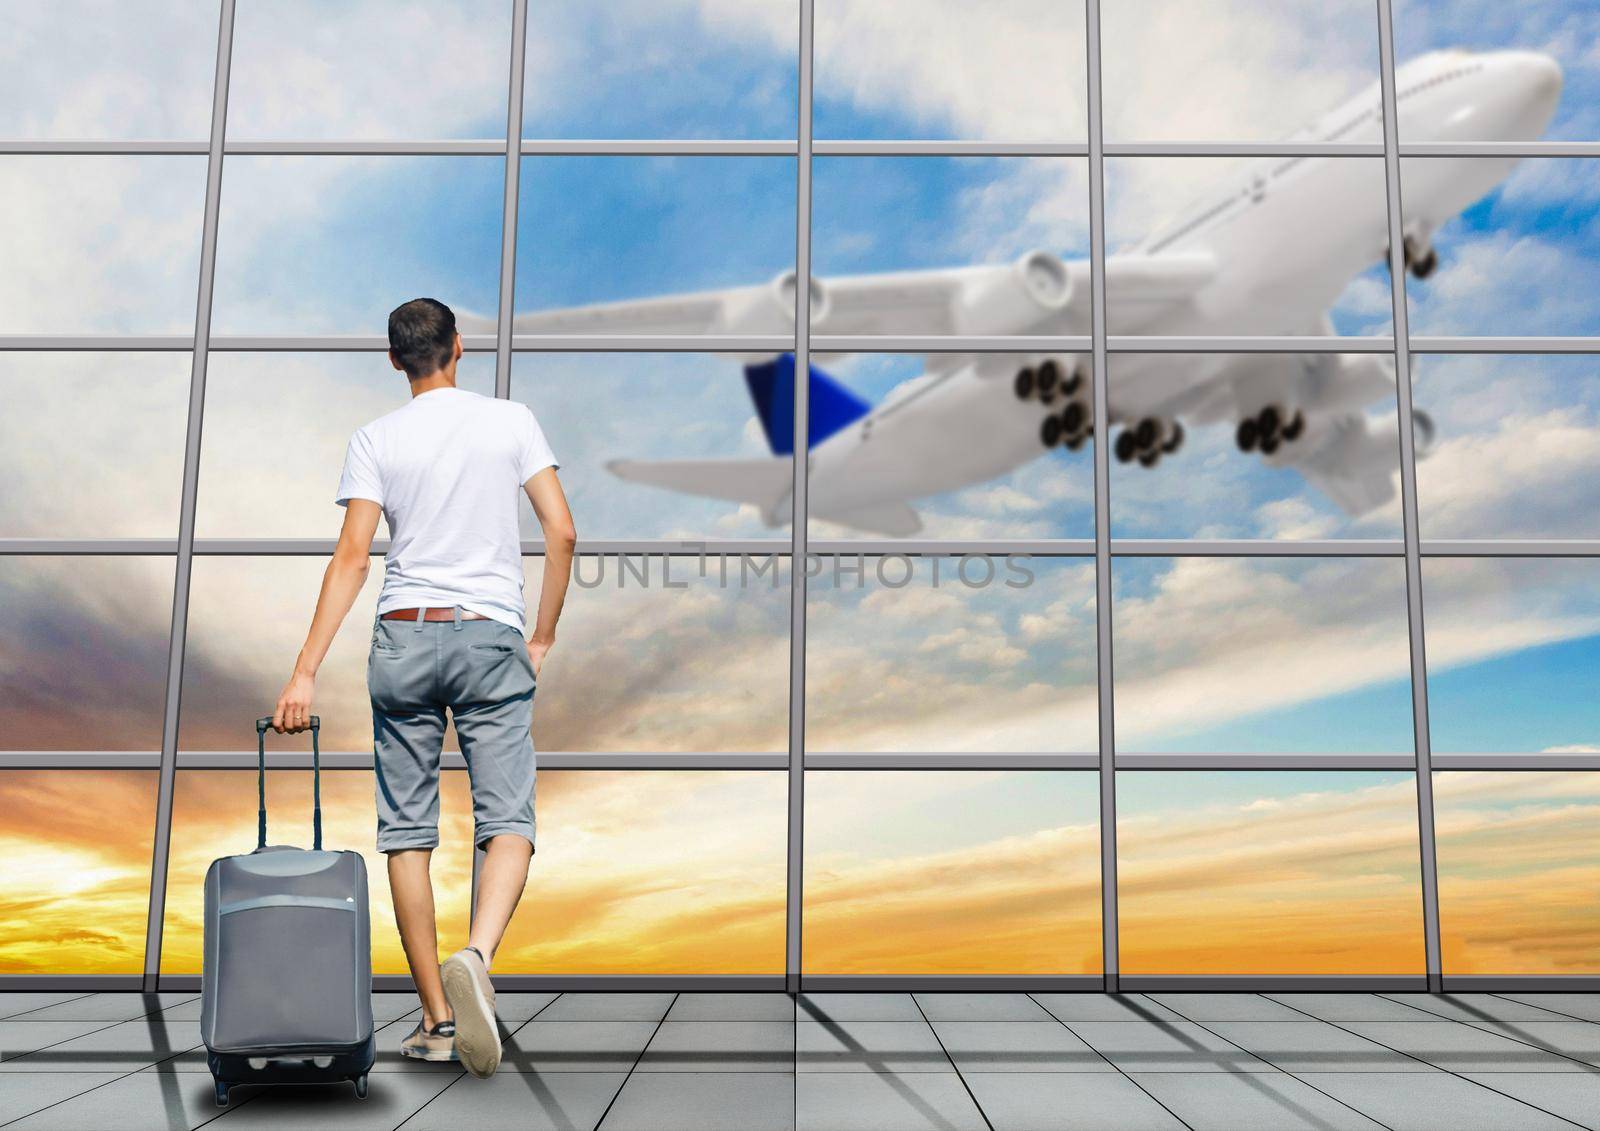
{"x":1010,"y":299}
{"x":783,"y":294}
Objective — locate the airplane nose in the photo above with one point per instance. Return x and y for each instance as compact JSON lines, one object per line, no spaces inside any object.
{"x":1538,"y":80}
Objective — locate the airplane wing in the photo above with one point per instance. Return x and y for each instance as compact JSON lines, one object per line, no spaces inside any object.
{"x":763,"y":483}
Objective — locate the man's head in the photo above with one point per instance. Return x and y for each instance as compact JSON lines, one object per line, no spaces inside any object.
{"x":422,"y":338}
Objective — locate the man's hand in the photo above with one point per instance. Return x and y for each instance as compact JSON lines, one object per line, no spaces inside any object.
{"x":537,"y":650}
{"x":293,"y":712}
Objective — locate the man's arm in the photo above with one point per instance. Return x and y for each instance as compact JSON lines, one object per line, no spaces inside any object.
{"x":346,"y":573}
{"x":550,"y":505}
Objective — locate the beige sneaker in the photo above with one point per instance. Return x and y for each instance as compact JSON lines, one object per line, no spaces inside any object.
{"x":471,"y":996}
{"x":438,"y":1043}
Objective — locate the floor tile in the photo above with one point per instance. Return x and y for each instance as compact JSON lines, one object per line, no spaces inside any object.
{"x":521,"y":1007}
{"x":1058,"y":1101}
{"x":1574,"y":1096}
{"x":1313,"y":1046}
{"x":858,"y":1007}
{"x":138,"y":1102}
{"x":1214,"y":1101}
{"x":704,"y":1101}
{"x":732,"y":1007}
{"x":869,"y":1046}
{"x":1585,"y":1007}
{"x":528,"y":1101}
{"x":608,"y":1007}
{"x":23,"y":1093}
{"x":1226,"y":1007}
{"x":1173,"y":1046}
{"x":1105,"y":1007}
{"x":111,"y":1007}
{"x":1476,"y":1008}
{"x":720,"y":1046}
{"x":19,"y":1037}
{"x":124,"y":1047}
{"x":866,"y":1101}
{"x":1353,"y":1007}
{"x":1462,"y":1048}
{"x":576,"y":1046}
{"x":12,"y":1004}
{"x":981,"y":1007}
{"x":1017,"y":1046}
{"x":1431,"y":1101}
{"x":1577,"y":1039}
{"x":393,"y":1098}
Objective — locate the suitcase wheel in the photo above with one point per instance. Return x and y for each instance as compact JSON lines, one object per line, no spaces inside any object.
{"x":222,"y":1093}
{"x":361,"y":1086}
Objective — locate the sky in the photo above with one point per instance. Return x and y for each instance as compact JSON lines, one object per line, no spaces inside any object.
{"x":1211,"y":655}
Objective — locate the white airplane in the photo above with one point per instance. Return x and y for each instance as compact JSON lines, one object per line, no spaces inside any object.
{"x":1268,"y":253}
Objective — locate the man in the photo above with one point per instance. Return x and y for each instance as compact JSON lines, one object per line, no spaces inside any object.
{"x":444,"y":470}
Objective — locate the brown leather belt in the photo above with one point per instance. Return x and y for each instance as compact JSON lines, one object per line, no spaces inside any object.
{"x":430,"y":614}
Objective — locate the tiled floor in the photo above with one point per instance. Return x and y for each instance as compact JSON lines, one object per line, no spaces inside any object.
{"x":834,"y":1062}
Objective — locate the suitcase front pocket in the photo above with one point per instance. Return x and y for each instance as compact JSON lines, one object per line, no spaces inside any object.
{"x":286,"y":967}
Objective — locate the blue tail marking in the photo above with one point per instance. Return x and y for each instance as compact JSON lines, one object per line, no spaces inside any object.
{"x":832,"y":406}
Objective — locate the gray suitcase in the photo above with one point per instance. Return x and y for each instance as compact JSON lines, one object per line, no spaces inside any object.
{"x":286,"y":989}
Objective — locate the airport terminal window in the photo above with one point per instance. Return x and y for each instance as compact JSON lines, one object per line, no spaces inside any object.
{"x":83,"y":648}
{"x":122,"y":410}
{"x":1244,"y":873}
{"x":100,"y":244}
{"x":1512,"y":654}
{"x":973,"y":652}
{"x":77,"y":886}
{"x":643,"y":872}
{"x":1261,"y":608}
{"x":214,"y":814}
{"x":1261,"y":655}
{"x":961,"y":872}
{"x":1517,"y":872}
{"x":731,"y":72}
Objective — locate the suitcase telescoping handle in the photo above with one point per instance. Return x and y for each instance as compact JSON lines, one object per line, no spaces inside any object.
{"x":261,"y":783}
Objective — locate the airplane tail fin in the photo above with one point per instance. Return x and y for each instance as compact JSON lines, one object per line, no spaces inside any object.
{"x":832,"y":406}
{"x":763,"y":483}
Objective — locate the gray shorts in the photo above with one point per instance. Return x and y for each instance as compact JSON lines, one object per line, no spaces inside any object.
{"x":479,"y":671}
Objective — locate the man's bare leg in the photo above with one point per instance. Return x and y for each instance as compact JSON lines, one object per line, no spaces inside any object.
{"x":500,"y":882}
{"x":412,"y":890}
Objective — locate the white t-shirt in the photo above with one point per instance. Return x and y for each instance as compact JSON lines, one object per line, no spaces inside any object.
{"x":448,"y":470}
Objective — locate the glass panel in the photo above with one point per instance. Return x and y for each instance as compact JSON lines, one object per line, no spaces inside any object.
{"x":672,"y":872}
{"x":964,"y":872}
{"x":1515,"y":449}
{"x":75,"y":69}
{"x":1272,"y":656}
{"x":1271,"y":245}
{"x":254,"y":400}
{"x":1268,"y":873}
{"x":626,"y":425}
{"x":330,"y":245}
{"x":721,"y":70}
{"x":308,"y":70}
{"x":83,"y":652}
{"x":1513,"y":654}
{"x":952,"y":446}
{"x":1012,"y":71}
{"x":651,"y":657}
{"x":1246,"y":70}
{"x":1473,"y":70}
{"x":1506,"y":247}
{"x":121,"y":474}
{"x":944,"y":653}
{"x":214,"y":814}
{"x":1518,"y":872}
{"x":77,"y":891}
{"x":1194,"y":462}
{"x":603,"y":229}
{"x":100,"y":245}
{"x":1024,"y":221}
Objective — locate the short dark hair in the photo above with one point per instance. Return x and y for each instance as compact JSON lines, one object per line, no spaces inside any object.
{"x":422,"y":336}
